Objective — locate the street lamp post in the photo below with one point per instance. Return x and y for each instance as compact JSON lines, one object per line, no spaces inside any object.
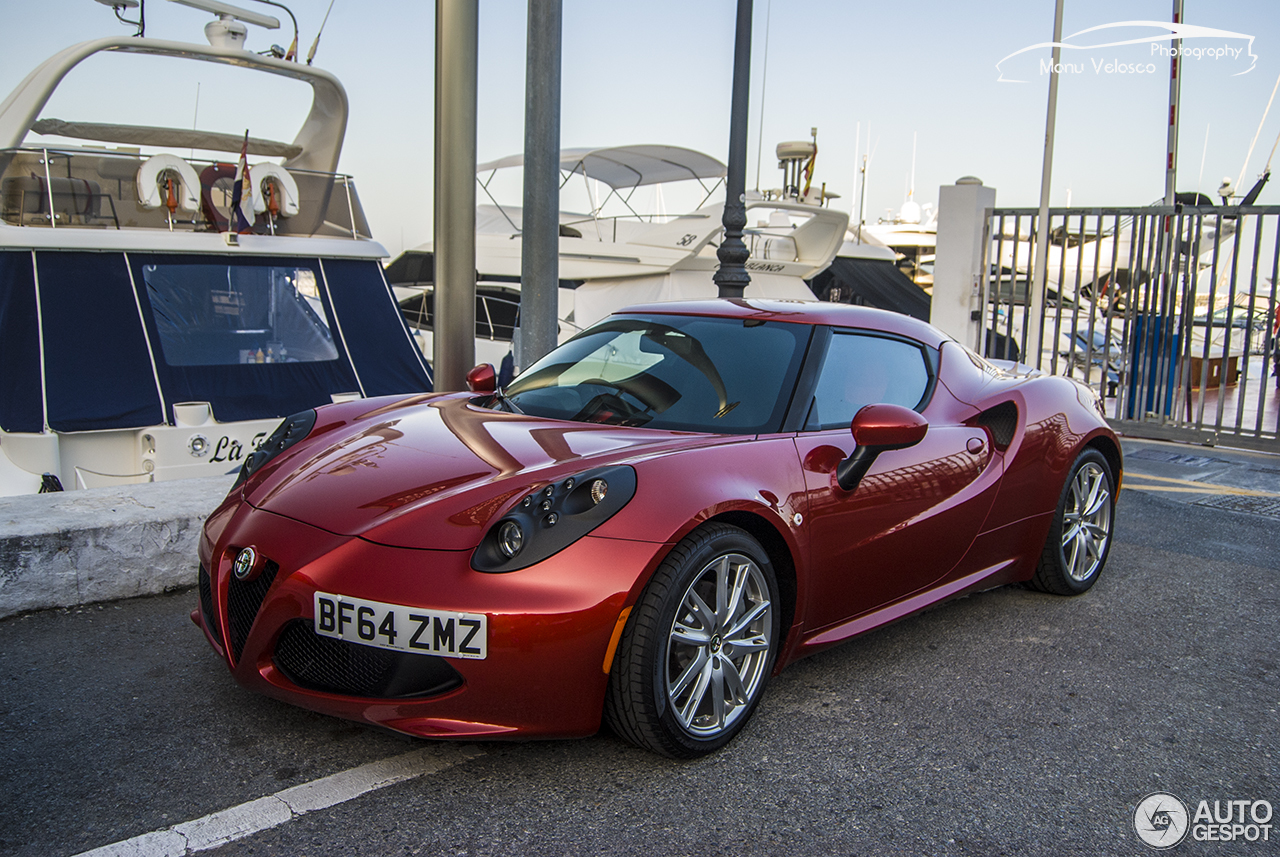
{"x":731,"y":278}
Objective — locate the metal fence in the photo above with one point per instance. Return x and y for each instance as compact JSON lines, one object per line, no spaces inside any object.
{"x":1170,"y":313}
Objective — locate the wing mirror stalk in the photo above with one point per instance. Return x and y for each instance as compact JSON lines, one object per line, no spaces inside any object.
{"x":877,"y":429}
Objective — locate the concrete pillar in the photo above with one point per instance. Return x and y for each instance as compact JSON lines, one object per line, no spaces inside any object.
{"x":958,"y":278}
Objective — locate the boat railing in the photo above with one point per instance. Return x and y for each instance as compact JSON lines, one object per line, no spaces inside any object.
{"x":51,"y":187}
{"x":497,"y":317}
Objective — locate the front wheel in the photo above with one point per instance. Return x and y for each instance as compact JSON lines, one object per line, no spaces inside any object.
{"x":1080,"y":537}
{"x":698,"y":648}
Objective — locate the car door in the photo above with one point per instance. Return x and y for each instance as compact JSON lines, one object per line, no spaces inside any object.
{"x":916,"y":512}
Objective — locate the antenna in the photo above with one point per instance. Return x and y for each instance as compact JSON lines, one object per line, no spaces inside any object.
{"x":1204,"y":154}
{"x":311,"y":54}
{"x":764,"y":82}
{"x":911,"y":189}
{"x":292,"y":53}
{"x":1245,"y":165}
{"x":117,"y":5}
{"x":857,"y":150}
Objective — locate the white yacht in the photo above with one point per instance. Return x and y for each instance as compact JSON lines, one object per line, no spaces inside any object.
{"x":616,"y":254}
{"x":145,"y":337}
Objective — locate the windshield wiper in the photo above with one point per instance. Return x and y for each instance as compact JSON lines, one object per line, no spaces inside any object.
{"x":502,"y":398}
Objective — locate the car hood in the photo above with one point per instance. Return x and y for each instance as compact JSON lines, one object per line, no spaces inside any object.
{"x":433,"y":475}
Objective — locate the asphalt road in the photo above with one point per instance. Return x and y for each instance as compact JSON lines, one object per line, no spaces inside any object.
{"x":1008,"y":722}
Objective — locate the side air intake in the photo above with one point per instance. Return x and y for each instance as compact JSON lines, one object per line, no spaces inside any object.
{"x":1002,"y":422}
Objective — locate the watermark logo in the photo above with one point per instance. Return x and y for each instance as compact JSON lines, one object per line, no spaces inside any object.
{"x":1232,"y":821}
{"x":1161,"y":820}
{"x":1089,"y":52}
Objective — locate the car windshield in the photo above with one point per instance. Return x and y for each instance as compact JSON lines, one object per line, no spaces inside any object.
{"x":692,"y":373}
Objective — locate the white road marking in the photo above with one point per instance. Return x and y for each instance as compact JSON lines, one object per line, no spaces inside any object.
{"x":228,"y":825}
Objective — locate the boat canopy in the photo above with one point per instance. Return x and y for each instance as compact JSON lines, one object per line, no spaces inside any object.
{"x":628,"y":166}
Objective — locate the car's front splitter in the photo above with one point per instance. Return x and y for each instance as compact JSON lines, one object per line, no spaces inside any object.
{"x":548,"y":628}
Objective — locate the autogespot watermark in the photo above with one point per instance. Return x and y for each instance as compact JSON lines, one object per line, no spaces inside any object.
{"x":1162,"y":820}
{"x":1086,"y":52}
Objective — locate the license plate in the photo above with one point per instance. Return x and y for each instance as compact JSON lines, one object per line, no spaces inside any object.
{"x":400,"y":628}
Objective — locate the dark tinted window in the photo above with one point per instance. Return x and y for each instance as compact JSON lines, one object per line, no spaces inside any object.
{"x":673,"y":372}
{"x":220,"y":313}
{"x":866,"y":370}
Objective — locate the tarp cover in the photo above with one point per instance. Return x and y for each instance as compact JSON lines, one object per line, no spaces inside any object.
{"x":207,"y":318}
{"x":97,"y":368}
{"x":379,"y":341}
{"x":874,"y":283}
{"x":20,"y":405}
{"x":412,"y":267}
{"x":236,"y":388}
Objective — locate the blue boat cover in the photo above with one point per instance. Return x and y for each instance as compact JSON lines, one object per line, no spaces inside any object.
{"x":97,"y":367}
{"x":255,"y":337}
{"x":197,"y":358}
{"x":376,"y":334}
{"x":20,"y":406}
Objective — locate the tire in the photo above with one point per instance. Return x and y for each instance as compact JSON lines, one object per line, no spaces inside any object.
{"x":685,"y":681}
{"x":1080,"y":537}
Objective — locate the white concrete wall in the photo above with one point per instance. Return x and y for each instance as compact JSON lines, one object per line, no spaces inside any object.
{"x":100,"y":544}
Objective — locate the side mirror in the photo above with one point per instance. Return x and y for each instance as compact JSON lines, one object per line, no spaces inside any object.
{"x":482,"y":379}
{"x":877,"y":428}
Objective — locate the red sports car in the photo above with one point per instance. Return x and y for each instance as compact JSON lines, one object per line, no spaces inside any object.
{"x":648,"y":523}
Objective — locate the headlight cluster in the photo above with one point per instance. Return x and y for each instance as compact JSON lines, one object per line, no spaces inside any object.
{"x":291,"y":430}
{"x":553,"y":517}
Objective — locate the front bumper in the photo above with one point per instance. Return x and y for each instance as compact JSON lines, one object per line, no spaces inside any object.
{"x":549,"y":628}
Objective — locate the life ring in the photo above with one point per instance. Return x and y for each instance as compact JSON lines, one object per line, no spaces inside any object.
{"x":155,"y":183}
{"x":276,"y":189}
{"x":208,"y":176}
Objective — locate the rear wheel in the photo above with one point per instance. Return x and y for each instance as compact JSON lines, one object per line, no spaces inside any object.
{"x":1080,"y":537}
{"x":698,"y":648}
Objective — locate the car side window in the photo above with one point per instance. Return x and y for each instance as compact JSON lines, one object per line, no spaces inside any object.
{"x":866,"y":370}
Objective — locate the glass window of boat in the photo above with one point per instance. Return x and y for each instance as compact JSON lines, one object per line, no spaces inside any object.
{"x":687,"y":373}
{"x":218,"y":314}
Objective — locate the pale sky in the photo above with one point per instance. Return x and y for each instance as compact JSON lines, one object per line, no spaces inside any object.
{"x":660,"y":72}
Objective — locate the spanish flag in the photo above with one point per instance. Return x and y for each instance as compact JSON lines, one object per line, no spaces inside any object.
{"x":808,"y":169}
{"x":242,"y":195}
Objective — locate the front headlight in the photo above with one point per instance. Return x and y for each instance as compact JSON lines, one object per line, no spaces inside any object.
{"x":549,"y":519}
{"x":291,"y":430}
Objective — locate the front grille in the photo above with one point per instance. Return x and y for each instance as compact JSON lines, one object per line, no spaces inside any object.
{"x":337,"y":666}
{"x":244,"y":599}
{"x":206,"y":604}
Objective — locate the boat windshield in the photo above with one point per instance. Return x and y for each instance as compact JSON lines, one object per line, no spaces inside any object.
{"x":691,"y":373}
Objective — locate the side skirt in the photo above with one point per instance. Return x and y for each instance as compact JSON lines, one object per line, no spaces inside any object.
{"x":984,"y":579}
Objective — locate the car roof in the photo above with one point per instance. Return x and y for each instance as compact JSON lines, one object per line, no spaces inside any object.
{"x":800,"y":312}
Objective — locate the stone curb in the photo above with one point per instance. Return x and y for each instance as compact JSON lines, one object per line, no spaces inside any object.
{"x":78,"y":547}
